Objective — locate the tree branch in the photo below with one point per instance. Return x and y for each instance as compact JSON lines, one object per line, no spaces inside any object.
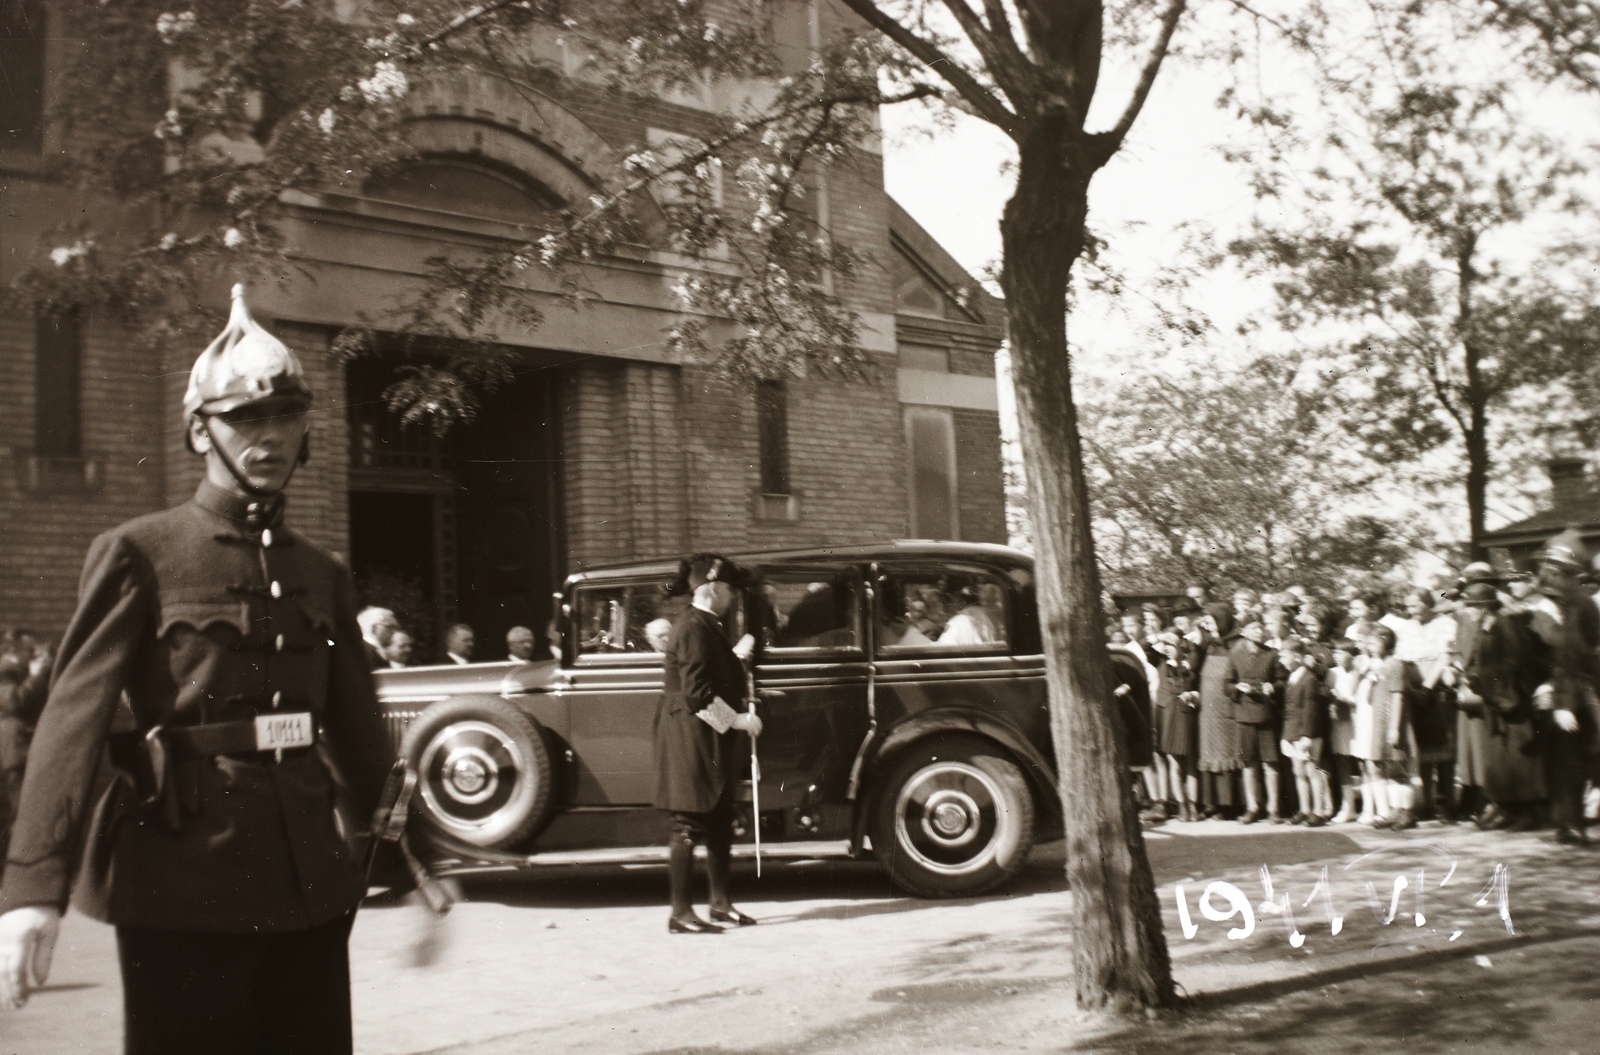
{"x":956,"y":75}
{"x":1009,"y":67}
{"x":1147,"y":75}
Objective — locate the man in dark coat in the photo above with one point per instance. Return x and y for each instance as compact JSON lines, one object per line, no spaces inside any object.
{"x":697,"y":754}
{"x":215,"y":850}
{"x":1566,"y":708}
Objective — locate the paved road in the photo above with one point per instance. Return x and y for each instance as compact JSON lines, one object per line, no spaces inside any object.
{"x":580,"y":961}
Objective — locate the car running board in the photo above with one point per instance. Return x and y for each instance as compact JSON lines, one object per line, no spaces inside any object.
{"x":498,"y":862}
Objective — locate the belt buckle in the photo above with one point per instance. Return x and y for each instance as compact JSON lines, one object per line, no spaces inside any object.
{"x":283,"y":731}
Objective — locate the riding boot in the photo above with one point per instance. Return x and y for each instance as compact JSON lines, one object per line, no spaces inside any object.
{"x":680,"y":874}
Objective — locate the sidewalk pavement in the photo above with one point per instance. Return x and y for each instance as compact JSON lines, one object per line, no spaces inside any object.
{"x":579,"y":961}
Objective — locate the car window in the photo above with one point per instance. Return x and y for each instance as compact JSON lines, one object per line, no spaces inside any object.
{"x":813,"y":607}
{"x":634,"y":617}
{"x":940,"y":609}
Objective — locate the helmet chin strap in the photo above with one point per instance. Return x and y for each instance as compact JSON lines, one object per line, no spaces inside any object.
{"x":244,"y":481}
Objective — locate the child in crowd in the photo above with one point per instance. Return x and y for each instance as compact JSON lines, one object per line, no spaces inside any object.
{"x":1388,"y":746}
{"x":1342,"y":679}
{"x":1256,"y":699}
{"x":1305,"y":724}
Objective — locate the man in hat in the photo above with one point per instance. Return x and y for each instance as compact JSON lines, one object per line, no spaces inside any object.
{"x":215,"y":851}
{"x":1567,"y":710}
{"x":703,"y":682}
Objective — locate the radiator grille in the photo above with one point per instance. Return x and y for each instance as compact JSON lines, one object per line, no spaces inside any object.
{"x":398,"y":721}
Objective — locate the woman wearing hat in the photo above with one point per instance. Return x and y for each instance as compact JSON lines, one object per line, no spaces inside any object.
{"x":1491,"y":678}
{"x":696,"y":750}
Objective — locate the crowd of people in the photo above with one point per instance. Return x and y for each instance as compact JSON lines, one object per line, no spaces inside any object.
{"x":1472,"y":702}
{"x":390,"y":646}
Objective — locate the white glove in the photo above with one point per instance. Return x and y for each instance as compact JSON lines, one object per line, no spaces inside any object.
{"x":27,"y":944}
{"x":1566,"y":720}
{"x":750,"y":723}
{"x":745,"y":648}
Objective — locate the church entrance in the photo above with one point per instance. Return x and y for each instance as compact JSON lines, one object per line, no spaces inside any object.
{"x":461,"y":528}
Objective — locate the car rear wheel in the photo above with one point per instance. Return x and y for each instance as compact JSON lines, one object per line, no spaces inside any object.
{"x":952,"y":818}
{"x":483,"y":773}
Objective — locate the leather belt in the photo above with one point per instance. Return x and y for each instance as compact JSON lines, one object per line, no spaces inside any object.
{"x":219,"y":738}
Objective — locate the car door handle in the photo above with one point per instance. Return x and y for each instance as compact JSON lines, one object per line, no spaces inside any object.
{"x":771,"y":694}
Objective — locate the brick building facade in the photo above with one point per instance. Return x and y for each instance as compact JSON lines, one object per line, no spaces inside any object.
{"x":606,"y":447}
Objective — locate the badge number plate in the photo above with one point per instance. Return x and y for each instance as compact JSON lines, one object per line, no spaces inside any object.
{"x":278,"y":732}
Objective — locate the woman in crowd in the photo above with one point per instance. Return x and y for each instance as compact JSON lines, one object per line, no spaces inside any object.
{"x":1495,"y":757}
{"x":1178,"y":703}
{"x":1219,"y":733}
{"x":1424,"y":639}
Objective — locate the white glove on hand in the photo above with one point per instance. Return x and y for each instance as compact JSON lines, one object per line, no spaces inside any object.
{"x":1566,"y":720}
{"x":749,"y":723}
{"x":745,"y":648}
{"x":27,"y":944}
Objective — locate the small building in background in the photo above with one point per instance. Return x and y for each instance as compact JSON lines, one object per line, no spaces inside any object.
{"x":1574,"y":503}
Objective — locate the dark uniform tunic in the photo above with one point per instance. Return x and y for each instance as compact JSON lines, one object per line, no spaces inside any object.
{"x":210,"y":612}
{"x":1569,"y":631}
{"x":695,"y":765}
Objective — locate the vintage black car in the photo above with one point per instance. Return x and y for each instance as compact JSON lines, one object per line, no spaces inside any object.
{"x":902,"y":688}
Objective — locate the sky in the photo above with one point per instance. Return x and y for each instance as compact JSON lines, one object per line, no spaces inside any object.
{"x":1169,"y":172}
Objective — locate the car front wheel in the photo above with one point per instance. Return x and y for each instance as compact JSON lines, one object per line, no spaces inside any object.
{"x":952,"y":818}
{"x":483,"y":773}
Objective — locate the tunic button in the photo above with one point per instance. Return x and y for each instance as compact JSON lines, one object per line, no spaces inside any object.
{"x":277,"y":589}
{"x":279,"y":643}
{"x":266,"y":537}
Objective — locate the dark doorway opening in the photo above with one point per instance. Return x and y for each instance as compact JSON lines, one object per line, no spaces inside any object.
{"x":463,"y":528}
{"x":406,"y":554}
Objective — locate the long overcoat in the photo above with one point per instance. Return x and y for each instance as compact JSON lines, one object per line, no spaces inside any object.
{"x":694,"y":763}
{"x":1495,"y":734}
{"x":209,"y":613}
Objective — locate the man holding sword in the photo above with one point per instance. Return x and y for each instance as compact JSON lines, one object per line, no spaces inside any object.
{"x":695,"y":746}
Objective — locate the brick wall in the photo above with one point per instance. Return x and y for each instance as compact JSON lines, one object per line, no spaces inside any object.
{"x":623,"y":455}
{"x":981,"y":494}
{"x":662,"y":461}
{"x":46,"y":534}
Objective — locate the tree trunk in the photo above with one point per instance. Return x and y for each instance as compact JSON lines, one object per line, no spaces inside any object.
{"x":1477,"y":439}
{"x":1119,"y":952}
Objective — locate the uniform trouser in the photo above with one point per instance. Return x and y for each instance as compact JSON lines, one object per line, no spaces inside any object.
{"x":1566,"y":767}
{"x":714,"y":828}
{"x":185,"y":993}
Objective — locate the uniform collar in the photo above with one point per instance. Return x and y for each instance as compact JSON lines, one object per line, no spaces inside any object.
{"x":250,"y":513}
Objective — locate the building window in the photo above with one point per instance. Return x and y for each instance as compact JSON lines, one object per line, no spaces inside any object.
{"x":57,"y":372}
{"x":931,"y":454}
{"x":22,"y":75}
{"x":924,"y":357}
{"x":772,"y":434}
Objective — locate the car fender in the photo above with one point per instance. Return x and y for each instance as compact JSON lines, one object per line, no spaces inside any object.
{"x":1039,"y":770}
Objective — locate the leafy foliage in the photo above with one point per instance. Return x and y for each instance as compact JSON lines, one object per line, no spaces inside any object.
{"x":1230,"y":476}
{"x":1422,"y":254}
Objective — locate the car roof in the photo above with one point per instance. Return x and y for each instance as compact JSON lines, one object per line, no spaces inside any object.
{"x":899,"y":550}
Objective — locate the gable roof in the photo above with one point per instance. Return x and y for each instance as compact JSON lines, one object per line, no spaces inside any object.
{"x":1582,"y":513}
{"x":965,"y":294}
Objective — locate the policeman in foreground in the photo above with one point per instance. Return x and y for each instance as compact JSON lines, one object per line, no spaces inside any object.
{"x":215,"y":851}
